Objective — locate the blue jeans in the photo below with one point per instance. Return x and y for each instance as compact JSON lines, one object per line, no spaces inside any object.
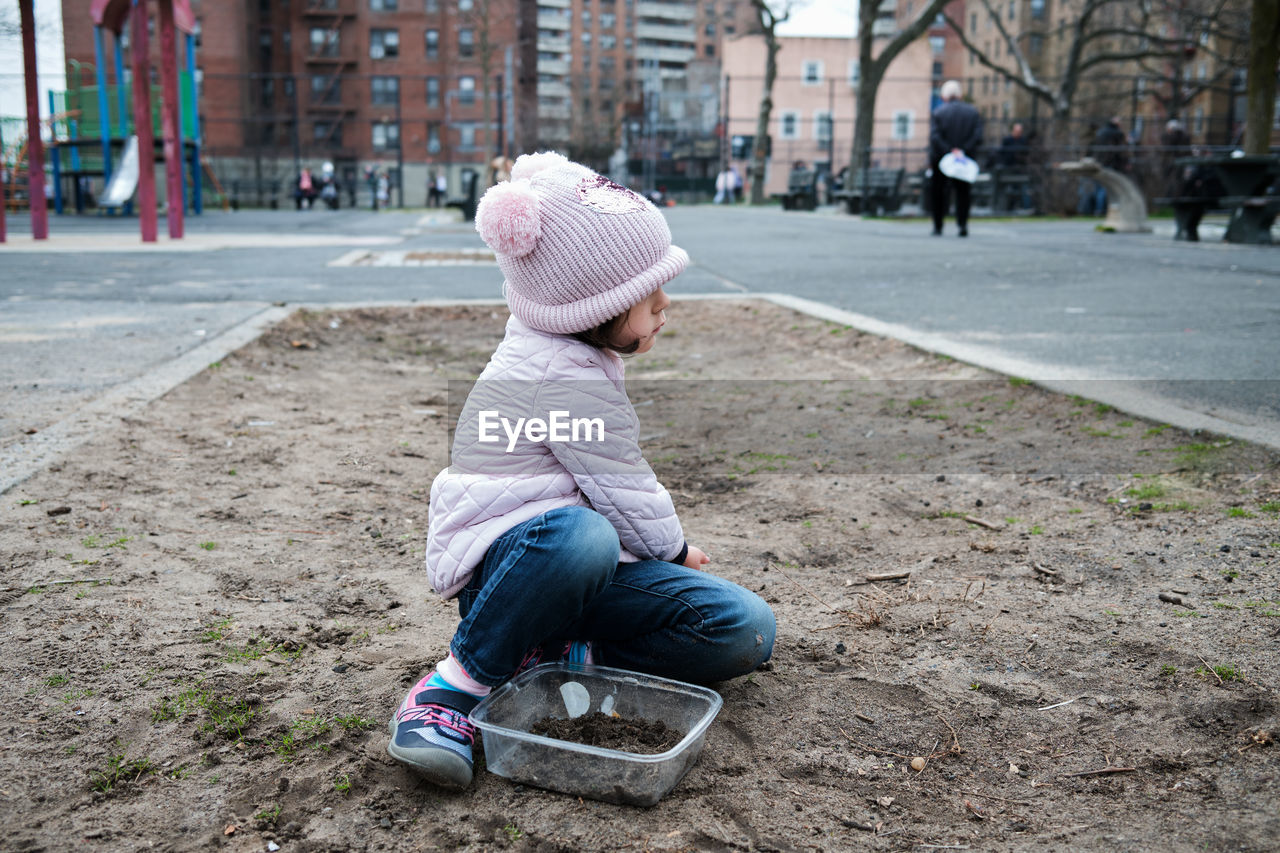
{"x":556,"y":578}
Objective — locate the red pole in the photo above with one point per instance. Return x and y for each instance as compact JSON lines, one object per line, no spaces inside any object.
{"x":170,"y":108}
{"x":142,"y":121}
{"x":35,"y":148}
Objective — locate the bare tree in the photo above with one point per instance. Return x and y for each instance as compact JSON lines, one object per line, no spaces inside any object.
{"x":489,"y":45}
{"x":767,"y":19}
{"x":1216,"y":30}
{"x":1264,"y":53}
{"x":872,"y":67}
{"x":1105,"y":32}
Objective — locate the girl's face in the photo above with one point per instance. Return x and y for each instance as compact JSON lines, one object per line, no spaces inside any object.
{"x":644,"y":320}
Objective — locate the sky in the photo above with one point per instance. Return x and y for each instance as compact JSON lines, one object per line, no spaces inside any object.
{"x":822,"y":18}
{"x":49,"y":57}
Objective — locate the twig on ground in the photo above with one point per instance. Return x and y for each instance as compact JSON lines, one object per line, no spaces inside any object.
{"x":1211,"y":669}
{"x":809,"y":592}
{"x":1103,"y":771}
{"x":864,"y":718}
{"x":56,"y":583}
{"x":955,"y":746}
{"x":888,"y":576}
{"x":982,"y":522}
{"x":1042,"y":570}
{"x":1058,"y":705}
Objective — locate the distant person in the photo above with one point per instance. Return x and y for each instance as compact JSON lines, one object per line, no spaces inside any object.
{"x":1110,"y":147}
{"x":1013,"y":158}
{"x":566,"y":550}
{"x":305,"y":191}
{"x":442,"y":189}
{"x":957,"y":130}
{"x":1013,"y":149}
{"x":724,"y":187}
{"x":735,"y":181}
{"x":371,"y":178}
{"x":383,"y":190}
{"x":1175,"y":142}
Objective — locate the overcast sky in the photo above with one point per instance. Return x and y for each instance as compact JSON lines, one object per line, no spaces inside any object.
{"x":822,"y":18}
{"x":49,"y":57}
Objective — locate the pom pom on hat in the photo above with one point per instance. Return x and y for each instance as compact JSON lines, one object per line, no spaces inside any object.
{"x":509,"y":218}
{"x":528,"y":165}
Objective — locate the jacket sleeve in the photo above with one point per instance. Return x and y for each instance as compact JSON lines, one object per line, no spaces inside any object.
{"x":603,"y":456}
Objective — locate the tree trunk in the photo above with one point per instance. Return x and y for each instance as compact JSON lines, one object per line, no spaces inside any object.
{"x":760,"y":153}
{"x":864,"y":124}
{"x":1264,"y":52}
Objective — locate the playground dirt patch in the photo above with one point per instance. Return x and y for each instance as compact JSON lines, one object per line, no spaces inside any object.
{"x":1071,"y":616}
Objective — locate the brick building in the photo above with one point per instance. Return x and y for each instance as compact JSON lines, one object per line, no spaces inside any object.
{"x":404,"y":86}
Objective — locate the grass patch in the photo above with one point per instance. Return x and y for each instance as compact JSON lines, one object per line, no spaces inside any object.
{"x":120,"y":771}
{"x":1239,"y":512}
{"x":1226,"y":673}
{"x":1270,"y":506}
{"x":1147,"y":492}
{"x":226,"y":716}
{"x":303,"y":733}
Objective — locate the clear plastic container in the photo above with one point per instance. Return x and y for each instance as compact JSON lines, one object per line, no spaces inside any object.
{"x":510,"y":750}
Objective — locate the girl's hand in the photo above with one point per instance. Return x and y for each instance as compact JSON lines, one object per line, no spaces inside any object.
{"x":696,"y":558}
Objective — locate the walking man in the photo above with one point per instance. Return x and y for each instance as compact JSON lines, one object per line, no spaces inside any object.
{"x":957,"y":129}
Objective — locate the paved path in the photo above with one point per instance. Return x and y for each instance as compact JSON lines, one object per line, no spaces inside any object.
{"x":1174,"y":331}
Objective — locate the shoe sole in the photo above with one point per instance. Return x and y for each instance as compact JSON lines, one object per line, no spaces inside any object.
{"x":438,"y":765}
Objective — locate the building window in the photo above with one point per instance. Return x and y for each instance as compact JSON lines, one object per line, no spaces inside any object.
{"x":466,"y":136}
{"x":789,"y":125}
{"x":324,"y":41}
{"x":433,"y":44}
{"x":710,"y":31}
{"x":326,"y":89}
{"x":822,"y":126}
{"x":433,"y":137}
{"x":586,"y":40}
{"x":433,"y":91}
{"x":1036,"y":44}
{"x":709,"y":49}
{"x":328,"y":133}
{"x":1013,"y":11}
{"x":386,"y":134}
{"x":1198,"y":123}
{"x":586,"y":18}
{"x":938,"y":44}
{"x":608,"y":42}
{"x":1038,"y":10}
{"x":384,"y":44}
{"x":608,"y":21}
{"x":268,"y":91}
{"x":384,"y":5}
{"x":465,"y":5}
{"x":466,"y":42}
{"x":937,"y":70}
{"x":466,"y":90}
{"x":811,"y":73}
{"x":385,"y":90}
{"x":903,"y":124}
{"x":431,"y":6}
{"x":973,"y":23}
{"x":855,"y":72}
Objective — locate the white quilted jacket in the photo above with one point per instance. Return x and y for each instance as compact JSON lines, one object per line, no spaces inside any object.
{"x":492,"y":485}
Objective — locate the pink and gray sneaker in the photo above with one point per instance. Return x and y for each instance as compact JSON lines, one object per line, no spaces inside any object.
{"x":431,"y":733}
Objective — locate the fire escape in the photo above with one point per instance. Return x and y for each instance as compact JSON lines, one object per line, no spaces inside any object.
{"x":328,"y":58}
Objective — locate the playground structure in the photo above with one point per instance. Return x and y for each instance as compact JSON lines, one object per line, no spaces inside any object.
{"x":91,"y":129}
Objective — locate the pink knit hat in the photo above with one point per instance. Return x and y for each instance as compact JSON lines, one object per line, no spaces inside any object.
{"x":576,"y":249}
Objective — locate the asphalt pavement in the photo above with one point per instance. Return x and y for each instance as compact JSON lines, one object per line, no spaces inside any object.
{"x":1184,"y":333}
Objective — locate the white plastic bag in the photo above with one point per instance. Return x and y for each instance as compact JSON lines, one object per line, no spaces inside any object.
{"x":959,"y":167}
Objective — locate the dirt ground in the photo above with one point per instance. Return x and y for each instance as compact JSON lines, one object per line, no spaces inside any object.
{"x":211,"y":610}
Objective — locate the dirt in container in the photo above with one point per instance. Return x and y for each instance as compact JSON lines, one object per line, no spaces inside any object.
{"x":644,"y":737}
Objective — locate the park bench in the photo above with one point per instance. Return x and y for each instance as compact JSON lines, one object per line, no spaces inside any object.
{"x":802,"y":190}
{"x":877,"y":191}
{"x":1009,"y":188}
{"x":1246,"y":190}
{"x":1251,"y":216}
{"x":467,"y":201}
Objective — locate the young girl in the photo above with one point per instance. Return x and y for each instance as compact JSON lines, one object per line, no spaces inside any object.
{"x":561,"y":543}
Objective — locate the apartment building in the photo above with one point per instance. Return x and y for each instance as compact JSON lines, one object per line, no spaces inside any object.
{"x":409,"y":87}
{"x":814,"y":104}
